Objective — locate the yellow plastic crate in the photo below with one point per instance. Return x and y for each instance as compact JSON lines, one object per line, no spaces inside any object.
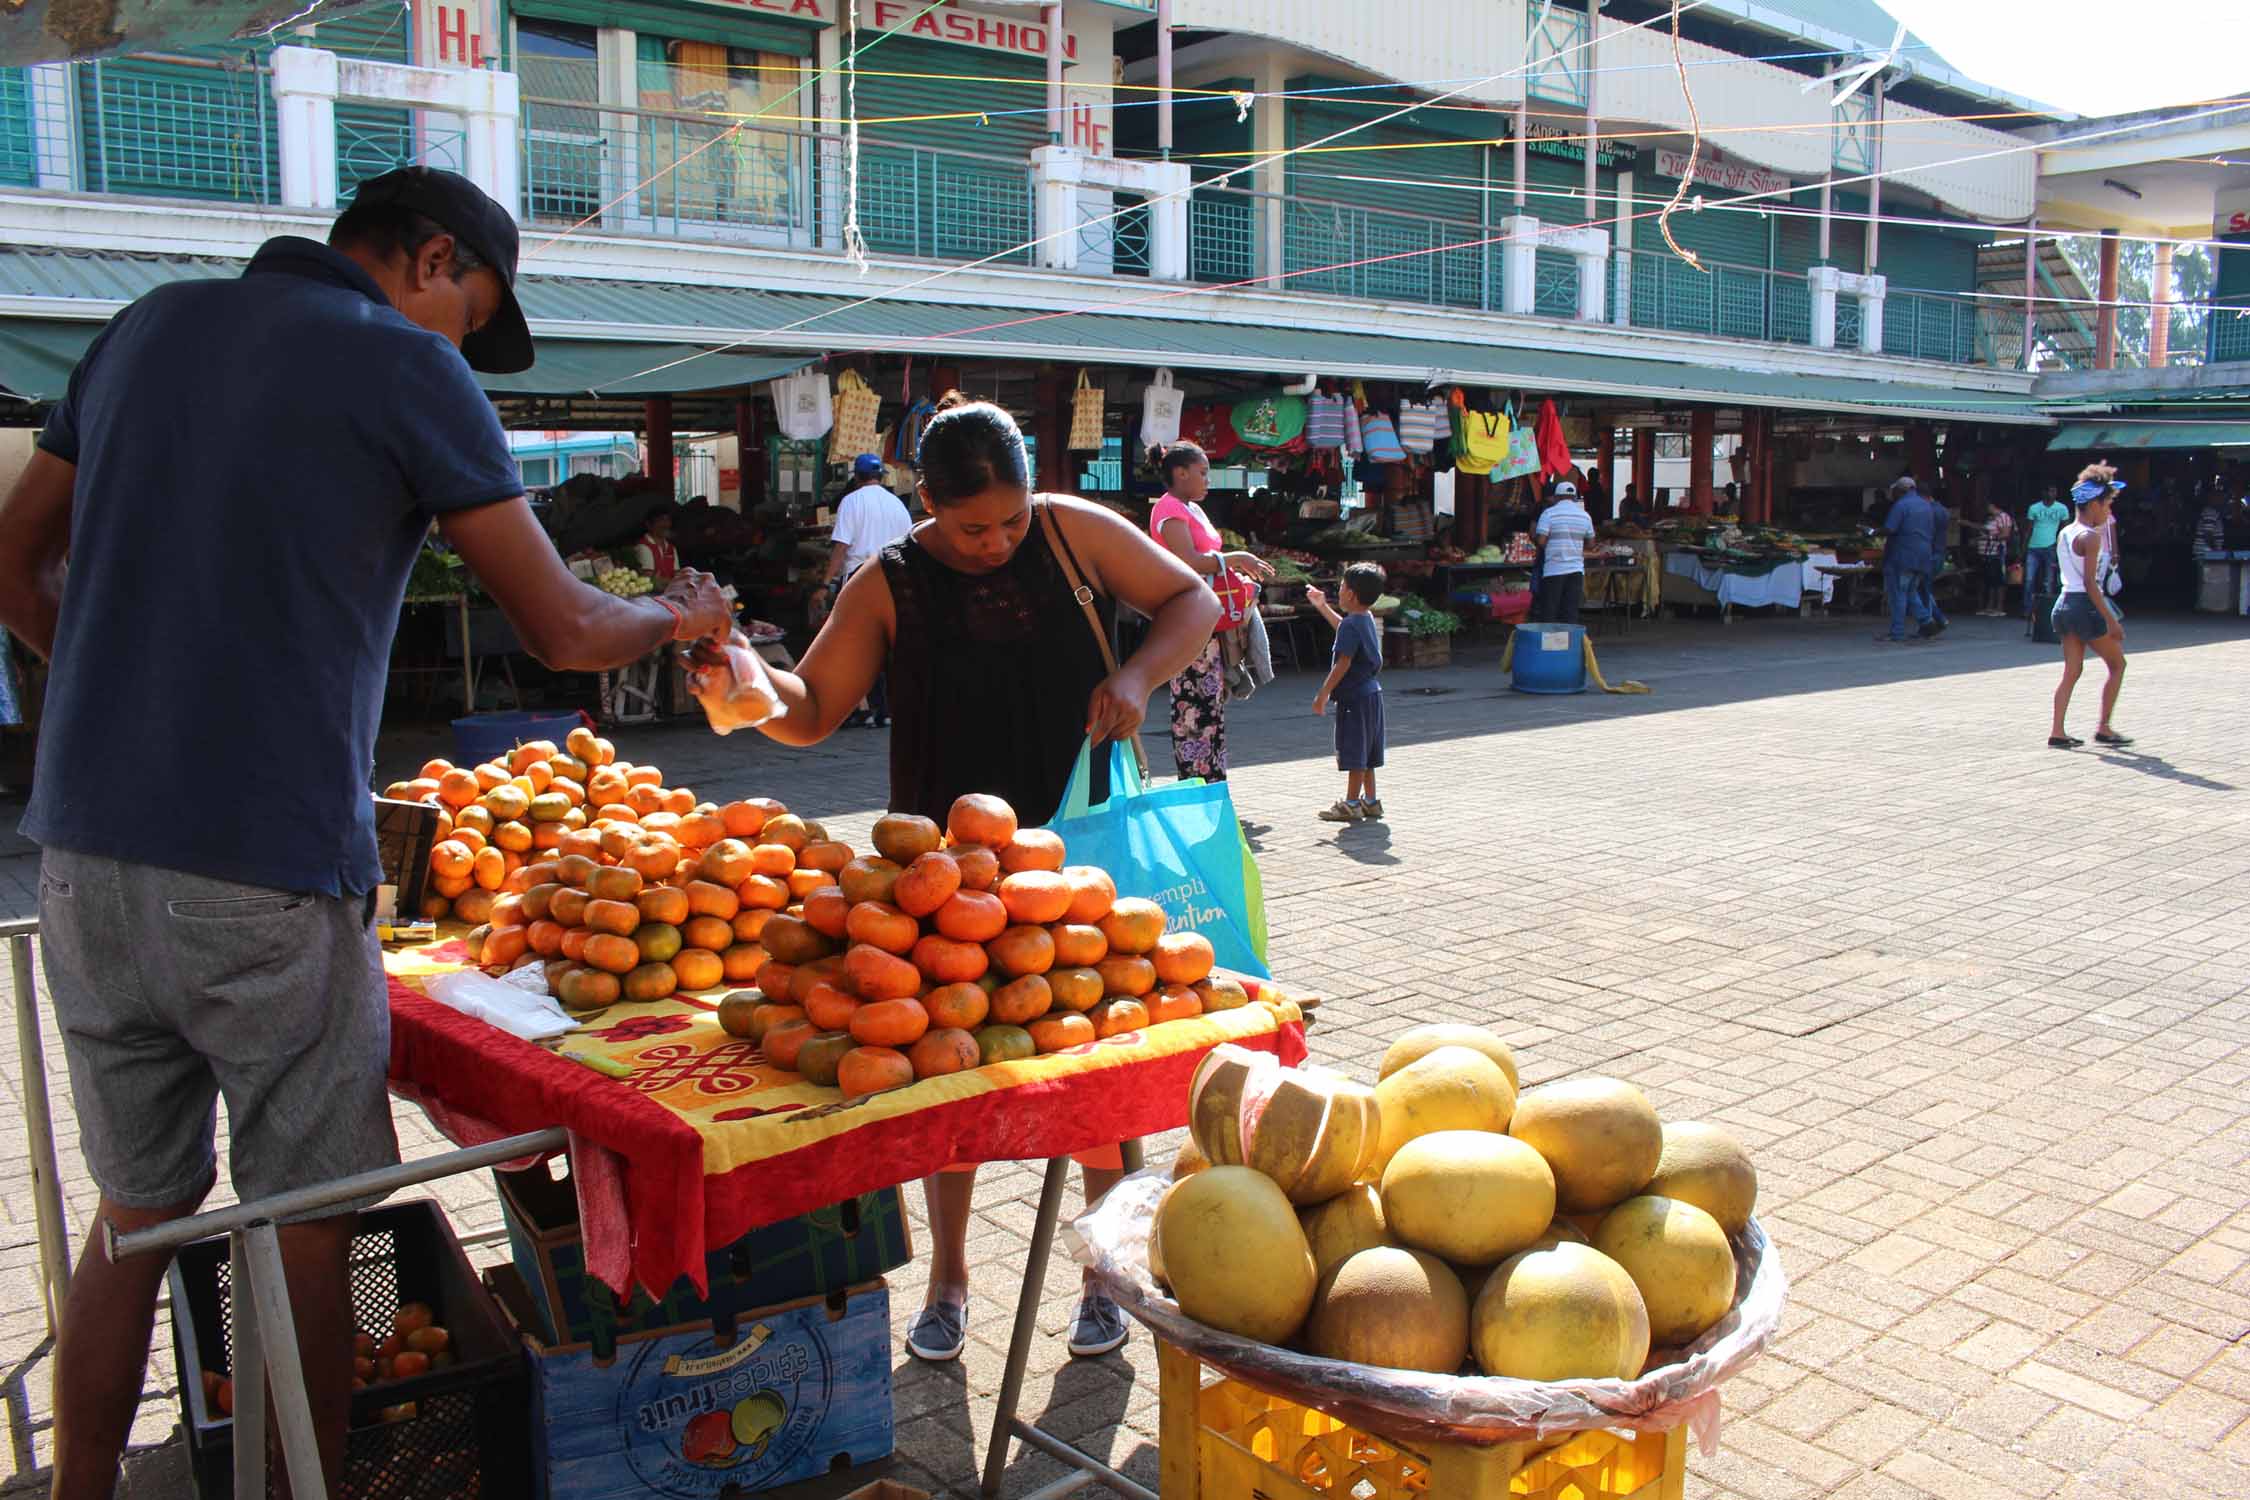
{"x":1227,"y":1441}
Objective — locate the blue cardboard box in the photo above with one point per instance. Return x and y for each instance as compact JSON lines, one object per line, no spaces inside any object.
{"x":712,"y":1410}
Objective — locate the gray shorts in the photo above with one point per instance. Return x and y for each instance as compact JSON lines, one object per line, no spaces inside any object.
{"x":173,"y":989}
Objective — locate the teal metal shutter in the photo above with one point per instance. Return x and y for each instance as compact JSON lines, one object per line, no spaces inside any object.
{"x":1929,"y":260}
{"x":1383,"y":208}
{"x":2229,"y":337}
{"x":1730,"y":295}
{"x":956,"y":187}
{"x":170,"y":130}
{"x":19,"y":151}
{"x":1925,"y":315}
{"x":1222,"y":221}
{"x":1555,"y":193}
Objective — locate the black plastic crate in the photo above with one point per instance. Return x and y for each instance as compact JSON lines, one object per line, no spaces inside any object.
{"x":470,"y":1432}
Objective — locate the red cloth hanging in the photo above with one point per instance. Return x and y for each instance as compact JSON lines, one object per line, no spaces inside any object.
{"x":1554,"y":452}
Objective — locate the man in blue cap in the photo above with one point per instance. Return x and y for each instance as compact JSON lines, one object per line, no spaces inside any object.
{"x":1909,"y":558}
{"x":868,"y":519}
{"x":240,"y":475}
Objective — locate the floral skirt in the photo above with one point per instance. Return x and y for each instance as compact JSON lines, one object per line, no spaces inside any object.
{"x":1199,"y":716}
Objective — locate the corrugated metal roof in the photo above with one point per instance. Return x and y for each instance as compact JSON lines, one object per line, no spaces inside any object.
{"x":747,"y":324}
{"x":2140,"y":437}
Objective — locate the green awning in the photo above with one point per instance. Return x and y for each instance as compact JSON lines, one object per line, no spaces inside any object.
{"x":2144,"y":437}
{"x":37,"y":356}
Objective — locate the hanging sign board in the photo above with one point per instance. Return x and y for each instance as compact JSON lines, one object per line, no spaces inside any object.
{"x":2233,"y":213}
{"x":1733,"y":176}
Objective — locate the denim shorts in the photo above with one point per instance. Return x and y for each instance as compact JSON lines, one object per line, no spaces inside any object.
{"x":1359,"y":733}
{"x":2076,"y":614}
{"x":172,"y":990}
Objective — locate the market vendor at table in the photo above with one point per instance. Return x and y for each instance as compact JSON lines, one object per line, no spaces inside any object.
{"x":997,"y":678}
{"x":655,"y":553}
{"x":257,"y":459}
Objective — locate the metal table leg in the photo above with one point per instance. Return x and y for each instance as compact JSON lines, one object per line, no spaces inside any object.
{"x":38,"y":1118}
{"x":1006,"y":1428}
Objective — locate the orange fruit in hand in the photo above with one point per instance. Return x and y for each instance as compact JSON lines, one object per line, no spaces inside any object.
{"x":979,"y":818}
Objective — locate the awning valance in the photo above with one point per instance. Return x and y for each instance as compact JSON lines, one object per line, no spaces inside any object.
{"x":2148,"y":436}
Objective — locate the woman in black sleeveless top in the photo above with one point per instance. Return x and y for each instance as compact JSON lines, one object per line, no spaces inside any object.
{"x":996,"y":680}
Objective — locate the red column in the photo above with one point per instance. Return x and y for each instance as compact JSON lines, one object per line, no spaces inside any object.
{"x":1644,"y":465}
{"x":657,"y":417}
{"x":1702,"y":440}
{"x":1051,"y":428}
{"x":1605,"y":454}
{"x":2105,"y":318}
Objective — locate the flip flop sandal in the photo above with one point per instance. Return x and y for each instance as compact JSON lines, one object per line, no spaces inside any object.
{"x":2063,"y":742}
{"x":2104,"y":737}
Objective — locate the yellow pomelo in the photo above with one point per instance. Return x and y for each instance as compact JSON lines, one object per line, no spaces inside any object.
{"x":1705,"y":1166}
{"x":1567,"y":1312}
{"x":1678,"y":1257}
{"x":1400,"y":1309}
{"x":1412,"y":1046}
{"x":1452,"y":1088}
{"x":1312,"y":1131}
{"x":1469,"y":1195}
{"x":1346,"y":1224}
{"x":1600,"y":1135}
{"x":1235,"y":1255}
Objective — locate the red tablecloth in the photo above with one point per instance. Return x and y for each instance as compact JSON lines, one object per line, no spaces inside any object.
{"x":705,"y":1176}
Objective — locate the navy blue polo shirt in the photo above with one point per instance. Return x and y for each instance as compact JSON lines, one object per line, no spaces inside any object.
{"x":258,"y":461}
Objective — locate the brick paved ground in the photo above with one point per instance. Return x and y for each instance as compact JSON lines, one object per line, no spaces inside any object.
{"x":1979,"y":1008}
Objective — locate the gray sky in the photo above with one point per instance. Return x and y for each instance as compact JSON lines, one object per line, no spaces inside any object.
{"x":2095,"y":57}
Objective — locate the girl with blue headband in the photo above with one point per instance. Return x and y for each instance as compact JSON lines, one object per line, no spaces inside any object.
{"x":2085,"y":618}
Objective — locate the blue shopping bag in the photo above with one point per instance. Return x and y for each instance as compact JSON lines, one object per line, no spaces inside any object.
{"x":1179,"y":846}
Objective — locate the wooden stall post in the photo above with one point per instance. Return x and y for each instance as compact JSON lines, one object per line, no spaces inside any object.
{"x":1644,"y":466}
{"x":657,"y":417}
{"x":1605,"y":454}
{"x":750,"y":453}
{"x":1702,"y":439}
{"x":1051,"y":428}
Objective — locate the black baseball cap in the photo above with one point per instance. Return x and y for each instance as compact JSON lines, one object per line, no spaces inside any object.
{"x":449,"y":200}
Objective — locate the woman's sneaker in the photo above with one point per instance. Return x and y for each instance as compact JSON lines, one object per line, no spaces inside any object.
{"x":1341,"y":812}
{"x":938,"y":1332}
{"x":1098,"y":1328}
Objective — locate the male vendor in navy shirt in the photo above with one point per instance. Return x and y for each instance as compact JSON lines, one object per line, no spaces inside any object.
{"x":239,"y":478}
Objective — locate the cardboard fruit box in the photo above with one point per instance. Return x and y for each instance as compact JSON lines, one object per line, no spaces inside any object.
{"x":710,"y":1410}
{"x":843,"y":1245}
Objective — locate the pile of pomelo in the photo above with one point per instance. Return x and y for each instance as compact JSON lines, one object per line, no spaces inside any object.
{"x":1440,"y":1218}
{"x":951,"y":948}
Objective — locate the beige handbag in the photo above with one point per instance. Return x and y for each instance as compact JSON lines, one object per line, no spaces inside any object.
{"x":857,"y":407}
{"x":1086,"y":415}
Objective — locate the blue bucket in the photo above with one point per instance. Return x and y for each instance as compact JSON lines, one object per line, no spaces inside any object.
{"x":1549,"y":658}
{"x":482,"y":737}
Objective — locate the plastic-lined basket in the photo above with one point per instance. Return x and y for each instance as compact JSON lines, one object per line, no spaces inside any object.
{"x":468,"y":1434}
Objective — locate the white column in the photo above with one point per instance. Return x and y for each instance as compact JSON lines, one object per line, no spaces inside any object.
{"x":827,"y":147}
{"x":1167,"y":219}
{"x":1822,"y":280}
{"x":1269,"y":137}
{"x":1621,"y":311}
{"x":491,"y":107}
{"x":54,"y":125}
{"x":1593,"y":280}
{"x":1871,"y":314}
{"x":617,"y":63}
{"x":1519,"y":283}
{"x":1056,"y":178}
{"x":304,"y":92}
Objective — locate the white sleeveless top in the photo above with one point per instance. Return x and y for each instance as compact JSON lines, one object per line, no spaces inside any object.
{"x":2069,"y":566}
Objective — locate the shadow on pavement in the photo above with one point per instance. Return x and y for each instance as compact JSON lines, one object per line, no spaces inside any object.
{"x":2163,"y":770}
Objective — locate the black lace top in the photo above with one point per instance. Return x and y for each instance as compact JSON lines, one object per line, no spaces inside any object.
{"x":989,"y":678}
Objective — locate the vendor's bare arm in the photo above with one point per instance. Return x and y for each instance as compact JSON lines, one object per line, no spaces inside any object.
{"x":841,"y":664}
{"x":1126,"y":565}
{"x":567,"y":624}
{"x":34,"y":540}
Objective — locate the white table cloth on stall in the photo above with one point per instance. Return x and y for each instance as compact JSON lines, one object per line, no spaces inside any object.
{"x":1817,"y":582}
{"x":1783,"y":587}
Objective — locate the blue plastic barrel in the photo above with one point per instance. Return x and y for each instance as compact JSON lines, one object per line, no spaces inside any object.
{"x":1549,"y":658}
{"x":482,"y":737}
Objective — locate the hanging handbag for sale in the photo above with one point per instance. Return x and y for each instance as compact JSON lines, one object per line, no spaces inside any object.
{"x":857,"y":410}
{"x":1419,"y":425}
{"x":1383,"y":446}
{"x":1161,"y":405}
{"x":1086,"y":416}
{"x":801,"y":405}
{"x":1274,"y":420}
{"x":1324,"y":421}
{"x":1486,"y":440}
{"x":1523,"y":450}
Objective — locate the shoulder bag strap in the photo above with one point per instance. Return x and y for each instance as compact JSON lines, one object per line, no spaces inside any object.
{"x":1075,"y":577}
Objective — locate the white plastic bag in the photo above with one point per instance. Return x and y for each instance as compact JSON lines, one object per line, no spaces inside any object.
{"x":736,"y":691}
{"x":1409,"y":1407}
{"x":512,"y":1004}
{"x":1161,"y":405}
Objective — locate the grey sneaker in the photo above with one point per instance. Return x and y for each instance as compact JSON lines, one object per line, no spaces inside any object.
{"x":938,"y":1332}
{"x":1341,"y":812}
{"x":1098,"y":1328}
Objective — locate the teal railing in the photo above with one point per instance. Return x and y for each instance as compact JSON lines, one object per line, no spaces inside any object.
{"x":1922,"y":325}
{"x":944,"y":205}
{"x":2229,"y":337}
{"x":1341,"y":249}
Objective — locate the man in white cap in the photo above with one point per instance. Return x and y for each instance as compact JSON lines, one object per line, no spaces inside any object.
{"x":1563,"y":530}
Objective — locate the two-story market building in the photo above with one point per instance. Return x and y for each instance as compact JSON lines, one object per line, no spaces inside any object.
{"x":1391,"y":202}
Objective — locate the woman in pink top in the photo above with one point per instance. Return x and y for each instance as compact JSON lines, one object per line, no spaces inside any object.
{"x":1199,"y":693}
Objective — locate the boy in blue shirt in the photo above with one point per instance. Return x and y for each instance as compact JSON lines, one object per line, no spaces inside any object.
{"x":1351,"y":682}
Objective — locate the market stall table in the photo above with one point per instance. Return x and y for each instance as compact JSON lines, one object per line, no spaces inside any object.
{"x":1778,"y":583}
{"x":684,"y":1137}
